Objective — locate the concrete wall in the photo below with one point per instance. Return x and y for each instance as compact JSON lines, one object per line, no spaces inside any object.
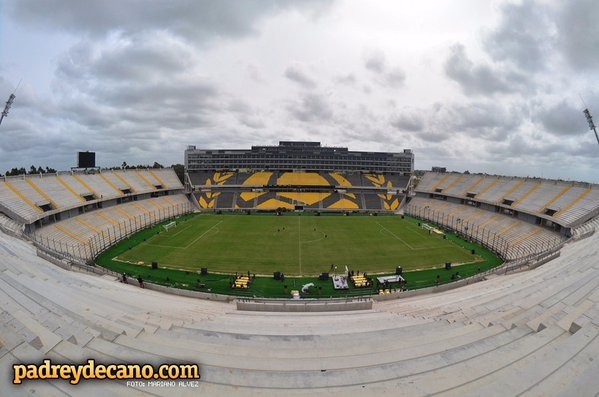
{"x":330,"y":305}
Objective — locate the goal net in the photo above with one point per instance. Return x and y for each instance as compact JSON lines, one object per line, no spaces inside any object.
{"x":169,"y":226}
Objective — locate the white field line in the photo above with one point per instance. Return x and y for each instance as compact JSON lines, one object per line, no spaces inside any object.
{"x":202,"y":235}
{"x":394,"y":235}
{"x":181,"y":231}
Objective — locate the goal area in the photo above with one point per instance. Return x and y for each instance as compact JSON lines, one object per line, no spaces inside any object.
{"x":169,"y":226}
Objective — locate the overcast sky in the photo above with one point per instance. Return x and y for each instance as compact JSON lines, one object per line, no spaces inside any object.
{"x":485,"y":86}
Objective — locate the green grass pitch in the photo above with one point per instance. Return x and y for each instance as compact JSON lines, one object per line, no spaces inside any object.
{"x":297,"y":245}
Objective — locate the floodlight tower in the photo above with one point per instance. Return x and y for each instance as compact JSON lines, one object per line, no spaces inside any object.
{"x":587,"y":114}
{"x":11,"y":98}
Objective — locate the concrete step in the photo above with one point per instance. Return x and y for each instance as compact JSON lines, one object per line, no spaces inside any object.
{"x":539,"y":365}
{"x":569,"y":322}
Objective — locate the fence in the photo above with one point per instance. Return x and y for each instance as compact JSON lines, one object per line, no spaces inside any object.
{"x":108,"y":236}
{"x":487,"y":238}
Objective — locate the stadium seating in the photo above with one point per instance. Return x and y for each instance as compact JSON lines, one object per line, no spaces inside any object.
{"x":323,"y":191}
{"x":274,"y":204}
{"x":33,"y":197}
{"x":565,"y":203}
{"x":82,"y":235}
{"x":513,"y":238}
{"x":302,"y":179}
{"x":528,"y":333}
{"x":372,"y":200}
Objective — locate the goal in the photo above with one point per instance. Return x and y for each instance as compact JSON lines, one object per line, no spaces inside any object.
{"x":169,"y":226}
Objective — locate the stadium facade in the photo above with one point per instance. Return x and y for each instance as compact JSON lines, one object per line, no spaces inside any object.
{"x":298,"y":176}
{"x":298,"y":155}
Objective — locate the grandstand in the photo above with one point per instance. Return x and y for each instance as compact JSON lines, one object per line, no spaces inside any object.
{"x":299,"y":176}
{"x":523,"y":216}
{"x":79,"y":214}
{"x":558,"y":204}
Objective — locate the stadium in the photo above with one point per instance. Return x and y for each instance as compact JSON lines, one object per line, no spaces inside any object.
{"x":521,"y":297}
{"x":299,"y":198}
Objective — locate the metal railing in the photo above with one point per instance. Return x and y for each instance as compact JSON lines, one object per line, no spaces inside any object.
{"x":483,"y":236}
{"x":108,"y":236}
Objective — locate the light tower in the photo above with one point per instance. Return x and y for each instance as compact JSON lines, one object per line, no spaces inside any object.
{"x":587,"y":114}
{"x":11,"y":98}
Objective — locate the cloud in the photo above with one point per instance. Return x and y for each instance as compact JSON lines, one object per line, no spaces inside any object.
{"x":481,"y":79}
{"x":524,"y":36}
{"x":578,"y":33}
{"x":408,"y":121}
{"x":489,"y":120}
{"x":375,"y":62}
{"x":139,"y":83}
{"x":395,"y":77}
{"x":297,"y":75}
{"x":484,"y":122}
{"x":347,"y":79}
{"x":140,"y":78}
{"x":193,"y":20}
{"x":562,"y":119}
{"x":123,"y":97}
{"x":252,"y":121}
{"x":311,"y":108}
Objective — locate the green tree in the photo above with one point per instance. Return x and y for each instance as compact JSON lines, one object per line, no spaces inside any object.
{"x":180,"y":171}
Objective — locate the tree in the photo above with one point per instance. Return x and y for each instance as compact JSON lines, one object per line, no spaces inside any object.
{"x":16,"y":171}
{"x":180,"y":171}
{"x":157,"y":165}
{"x":32,"y":170}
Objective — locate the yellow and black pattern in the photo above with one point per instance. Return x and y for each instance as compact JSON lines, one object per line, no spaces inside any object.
{"x":390,"y":201}
{"x":254,"y":191}
{"x":289,"y":200}
{"x":207,"y":200}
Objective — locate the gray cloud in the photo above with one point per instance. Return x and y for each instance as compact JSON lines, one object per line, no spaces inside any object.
{"x":375,"y":62}
{"x":348,"y":79}
{"x":479,"y":120}
{"x":408,"y":121}
{"x":134,"y":83}
{"x":488,"y":120}
{"x":310,"y":108}
{"x":481,"y":79}
{"x":394,"y":78}
{"x":433,"y":135}
{"x":252,"y":121}
{"x":297,"y":75}
{"x":103,"y":103}
{"x":562,"y":119}
{"x":254,"y":73}
{"x":524,"y":36}
{"x":194,"y":20}
{"x":143,"y":82}
{"x":579,"y":33}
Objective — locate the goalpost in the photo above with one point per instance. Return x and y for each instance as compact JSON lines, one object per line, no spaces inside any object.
{"x":169,"y":226}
